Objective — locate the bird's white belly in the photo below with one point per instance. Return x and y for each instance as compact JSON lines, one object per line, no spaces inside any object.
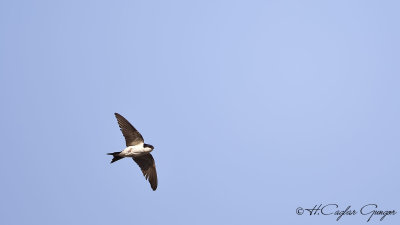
{"x":136,"y":150}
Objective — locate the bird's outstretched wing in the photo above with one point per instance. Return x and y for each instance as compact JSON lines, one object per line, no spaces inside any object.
{"x":148,"y":167}
{"x":132,"y":136}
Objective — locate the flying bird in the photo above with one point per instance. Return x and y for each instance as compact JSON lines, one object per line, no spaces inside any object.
{"x":137,"y":150}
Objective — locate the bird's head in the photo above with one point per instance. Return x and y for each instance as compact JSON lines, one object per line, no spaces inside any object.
{"x":148,"y":146}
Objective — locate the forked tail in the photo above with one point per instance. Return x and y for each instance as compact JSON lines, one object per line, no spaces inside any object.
{"x":116,"y":157}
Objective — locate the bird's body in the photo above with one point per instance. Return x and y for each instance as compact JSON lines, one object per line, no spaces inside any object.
{"x":137,"y":150}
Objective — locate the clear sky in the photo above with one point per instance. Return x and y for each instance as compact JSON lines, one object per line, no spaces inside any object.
{"x":255,"y":108}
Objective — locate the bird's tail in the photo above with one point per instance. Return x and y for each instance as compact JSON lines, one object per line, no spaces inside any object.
{"x":116,"y":157}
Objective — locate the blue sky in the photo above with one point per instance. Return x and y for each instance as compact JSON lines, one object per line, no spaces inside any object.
{"x":255,"y":108}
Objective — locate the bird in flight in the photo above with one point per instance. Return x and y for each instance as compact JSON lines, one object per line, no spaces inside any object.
{"x":137,"y":150}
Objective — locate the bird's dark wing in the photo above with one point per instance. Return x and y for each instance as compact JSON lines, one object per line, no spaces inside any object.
{"x":148,"y":167}
{"x":132,"y":136}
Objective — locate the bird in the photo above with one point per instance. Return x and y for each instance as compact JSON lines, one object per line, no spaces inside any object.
{"x":137,"y":150}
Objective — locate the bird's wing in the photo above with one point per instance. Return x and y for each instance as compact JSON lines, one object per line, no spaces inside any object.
{"x":132,"y":136}
{"x":148,"y":167}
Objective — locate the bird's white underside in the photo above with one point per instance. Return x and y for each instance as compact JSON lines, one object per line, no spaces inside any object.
{"x":136,"y":150}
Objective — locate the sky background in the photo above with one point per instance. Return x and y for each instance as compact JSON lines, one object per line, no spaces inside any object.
{"x":255,"y":108}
